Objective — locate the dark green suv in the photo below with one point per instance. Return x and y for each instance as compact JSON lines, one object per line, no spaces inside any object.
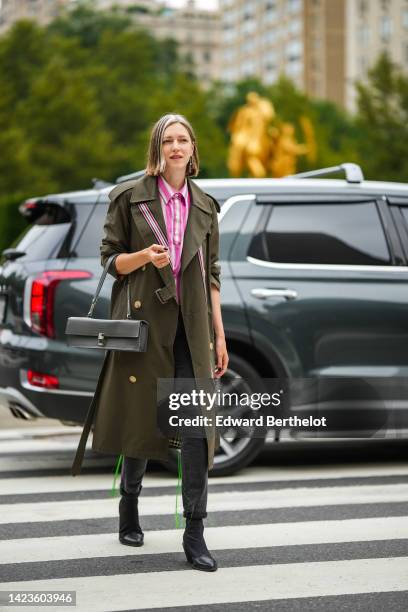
{"x":314,"y":289}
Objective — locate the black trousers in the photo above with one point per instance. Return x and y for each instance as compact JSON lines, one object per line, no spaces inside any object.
{"x":194,"y":451}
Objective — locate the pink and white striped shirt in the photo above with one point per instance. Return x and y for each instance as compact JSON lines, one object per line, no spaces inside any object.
{"x":175,"y":207}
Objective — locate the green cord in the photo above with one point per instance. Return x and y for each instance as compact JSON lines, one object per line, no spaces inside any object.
{"x":179,"y":519}
{"x":180,"y":523}
{"x":117,"y":468}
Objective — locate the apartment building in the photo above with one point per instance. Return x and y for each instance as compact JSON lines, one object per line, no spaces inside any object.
{"x":40,"y":10}
{"x":322,"y":45}
{"x":373,"y":26}
{"x":197,"y":31}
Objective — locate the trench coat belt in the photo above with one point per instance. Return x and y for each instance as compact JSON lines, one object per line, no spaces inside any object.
{"x":164,"y":294}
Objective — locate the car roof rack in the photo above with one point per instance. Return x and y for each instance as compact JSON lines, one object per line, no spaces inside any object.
{"x":353,"y":172}
{"x":129,"y":177}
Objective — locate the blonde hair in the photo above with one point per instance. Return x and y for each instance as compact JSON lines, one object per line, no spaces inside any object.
{"x":155,"y":159}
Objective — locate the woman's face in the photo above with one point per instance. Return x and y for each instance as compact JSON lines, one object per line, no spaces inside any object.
{"x":177,"y":147}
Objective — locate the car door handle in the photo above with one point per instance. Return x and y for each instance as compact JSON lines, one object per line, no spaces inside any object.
{"x":262,"y":293}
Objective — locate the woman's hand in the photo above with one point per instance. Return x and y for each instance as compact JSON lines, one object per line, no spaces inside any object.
{"x":158,"y":255}
{"x":222,"y":358}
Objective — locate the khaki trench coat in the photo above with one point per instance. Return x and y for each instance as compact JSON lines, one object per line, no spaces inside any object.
{"x":124,"y":408}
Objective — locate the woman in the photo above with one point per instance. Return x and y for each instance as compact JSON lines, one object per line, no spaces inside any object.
{"x":164,"y":230}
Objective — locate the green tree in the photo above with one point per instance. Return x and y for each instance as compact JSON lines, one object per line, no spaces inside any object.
{"x":78,"y":100}
{"x":383,"y":119}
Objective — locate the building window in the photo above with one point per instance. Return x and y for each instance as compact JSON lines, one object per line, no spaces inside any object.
{"x":293,"y":6}
{"x":294,"y":67}
{"x":363,"y":65}
{"x":230,"y":74}
{"x":269,"y":37}
{"x":364,"y":35}
{"x":248,"y":10}
{"x":294,"y":50}
{"x":229,"y":55}
{"x":248,"y":46}
{"x":294,"y":26}
{"x":362,"y":8}
{"x":248,"y":68}
{"x":270,"y":16}
{"x":315,"y":63}
{"x":385,"y":5}
{"x":269,"y":77}
{"x":248,"y":27}
{"x":385,"y":28}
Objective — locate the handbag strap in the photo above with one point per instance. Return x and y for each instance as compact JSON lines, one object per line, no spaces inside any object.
{"x":80,"y":452}
{"x":99,"y":287}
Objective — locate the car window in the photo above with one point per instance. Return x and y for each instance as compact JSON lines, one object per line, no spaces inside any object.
{"x":348,"y":234}
{"x":90,"y":240}
{"x":404,"y":211}
{"x":52,"y":234}
{"x":42,"y":241}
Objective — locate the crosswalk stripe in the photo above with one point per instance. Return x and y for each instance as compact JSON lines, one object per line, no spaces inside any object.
{"x":33,"y":484}
{"x":218,"y":538}
{"x":114,"y":565}
{"x":218,"y":502}
{"x":22,"y":433}
{"x":40,"y":445}
{"x":214,"y":486}
{"x":229,"y":584}
{"x":374,"y":602}
{"x":74,"y":527}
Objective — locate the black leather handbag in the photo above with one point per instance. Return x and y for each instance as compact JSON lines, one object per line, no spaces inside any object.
{"x":108,"y":334}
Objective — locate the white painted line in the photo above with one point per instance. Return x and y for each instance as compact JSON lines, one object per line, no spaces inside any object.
{"x":248,"y":475}
{"x":218,"y":538}
{"x":227,"y":585}
{"x":24,"y":447}
{"x":33,"y":432}
{"x":217,"y":502}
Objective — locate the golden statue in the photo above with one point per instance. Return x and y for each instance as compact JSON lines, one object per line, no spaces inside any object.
{"x":250,"y":139}
{"x":286,"y":152}
{"x":263,"y":148}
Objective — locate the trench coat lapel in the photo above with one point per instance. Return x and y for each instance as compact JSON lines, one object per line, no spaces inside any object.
{"x":198,"y":224}
{"x":146,"y":192}
{"x":198,"y":221}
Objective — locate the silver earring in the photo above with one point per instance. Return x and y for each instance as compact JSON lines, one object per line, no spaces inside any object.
{"x":190,"y":165}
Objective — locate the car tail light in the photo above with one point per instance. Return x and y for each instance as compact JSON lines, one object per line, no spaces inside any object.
{"x":41,"y":297}
{"x":46,"y":381}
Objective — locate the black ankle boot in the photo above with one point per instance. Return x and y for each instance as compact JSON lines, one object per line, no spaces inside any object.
{"x":195,"y":547}
{"x":130,"y":532}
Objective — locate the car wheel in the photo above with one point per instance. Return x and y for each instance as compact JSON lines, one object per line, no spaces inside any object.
{"x":236,"y":450}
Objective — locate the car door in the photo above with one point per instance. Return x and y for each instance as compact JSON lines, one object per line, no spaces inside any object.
{"x":325,"y":293}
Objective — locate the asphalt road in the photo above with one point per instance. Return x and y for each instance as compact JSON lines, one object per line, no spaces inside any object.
{"x":316,"y":526}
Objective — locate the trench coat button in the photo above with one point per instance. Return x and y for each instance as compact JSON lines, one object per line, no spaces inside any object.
{"x":132,"y":379}
{"x":137,"y":304}
{"x":211,"y":346}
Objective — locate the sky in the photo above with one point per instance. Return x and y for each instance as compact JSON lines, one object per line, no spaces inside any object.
{"x":203,"y":4}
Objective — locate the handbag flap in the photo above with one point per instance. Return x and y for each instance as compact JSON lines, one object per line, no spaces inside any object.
{"x":86,"y":326}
